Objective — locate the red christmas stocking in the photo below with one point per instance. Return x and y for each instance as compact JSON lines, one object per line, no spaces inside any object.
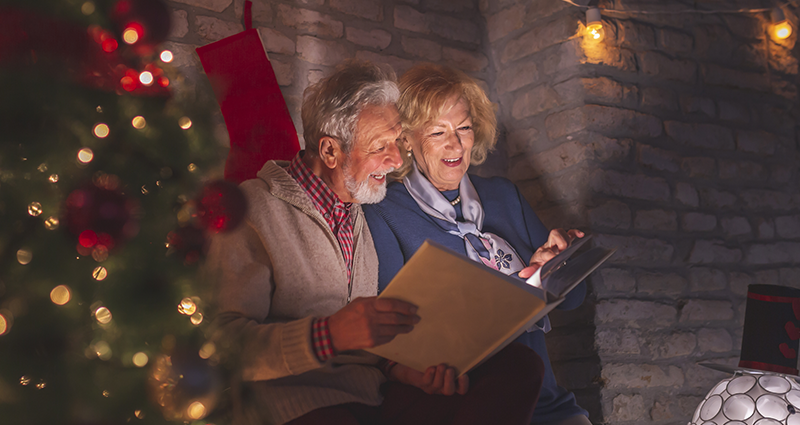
{"x":255,"y":112}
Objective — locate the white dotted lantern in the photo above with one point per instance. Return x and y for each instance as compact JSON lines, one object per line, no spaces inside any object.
{"x":751,"y":398}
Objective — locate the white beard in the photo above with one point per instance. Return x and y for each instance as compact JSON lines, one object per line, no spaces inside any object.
{"x":363,"y":192}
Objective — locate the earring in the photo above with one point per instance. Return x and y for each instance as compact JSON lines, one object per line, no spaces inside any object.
{"x":409,"y":154}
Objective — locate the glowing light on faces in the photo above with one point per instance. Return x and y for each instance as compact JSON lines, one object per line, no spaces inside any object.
{"x":103,"y":316}
{"x":53,"y":178}
{"x":99,"y":273}
{"x":85,"y":155}
{"x":24,"y":256}
{"x":35,"y":209}
{"x":87,"y":8}
{"x":3,"y":324}
{"x":60,"y":295}
{"x":140,"y":359}
{"x":196,"y":410}
{"x":51,"y":223}
{"x":146,"y":78}
{"x":187,"y":306}
{"x":130,"y":35}
{"x":100,"y":131}
{"x":166,"y":56}
{"x":185,"y":123}
{"x":138,"y":122}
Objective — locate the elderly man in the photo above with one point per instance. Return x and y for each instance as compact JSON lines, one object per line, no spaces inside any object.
{"x":296,"y":283}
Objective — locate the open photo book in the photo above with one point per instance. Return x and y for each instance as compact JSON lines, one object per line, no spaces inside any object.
{"x":468,"y":311}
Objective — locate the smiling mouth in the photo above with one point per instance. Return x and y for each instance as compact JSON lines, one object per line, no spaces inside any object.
{"x":452,"y":162}
{"x":381,"y":176}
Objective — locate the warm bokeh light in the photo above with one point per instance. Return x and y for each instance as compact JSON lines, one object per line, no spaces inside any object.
{"x":166,"y":56}
{"x":87,"y":238}
{"x":102,"y":350}
{"x":594,"y":25}
{"x":24,"y":380}
{"x":53,"y":178}
{"x":60,"y":295}
{"x":192,"y":168}
{"x":207,"y":350}
{"x":51,"y":223}
{"x":596,"y":32}
{"x":128,"y":83}
{"x":87,"y":8}
{"x":99,"y":273}
{"x":140,"y":359}
{"x":24,"y":256}
{"x":106,"y":393}
{"x":35,"y":209}
{"x":782,"y":30}
{"x":130,"y":35}
{"x":196,"y":410}
{"x":196,"y":318}
{"x":187,"y":306}
{"x":3,"y":324}
{"x":138,"y":122}
{"x":42,"y":167}
{"x":139,"y":414}
{"x":100,"y":131}
{"x":103,"y":315}
{"x":109,"y":45}
{"x":185,"y":123}
{"x":100,"y":253}
{"x":41,"y":385}
{"x":146,"y":78}
{"x":85,"y":155}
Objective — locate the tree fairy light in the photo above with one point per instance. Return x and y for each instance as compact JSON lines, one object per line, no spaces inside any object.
{"x":132,"y":33}
{"x":60,"y":295}
{"x":781,"y":28}
{"x":35,"y":209}
{"x":594,"y":25}
{"x":185,"y":123}
{"x":3,"y":324}
{"x":100,"y":131}
{"x":85,"y":155}
{"x":140,"y":359}
{"x":146,"y":78}
{"x":187,"y":306}
{"x":138,"y":122}
{"x":166,"y":56}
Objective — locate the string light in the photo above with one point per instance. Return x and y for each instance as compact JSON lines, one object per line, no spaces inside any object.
{"x":594,"y":25}
{"x":51,"y":223}
{"x":24,"y":256}
{"x":138,"y":122}
{"x":185,"y":123}
{"x":132,"y":33}
{"x":140,"y":359}
{"x":187,"y":306}
{"x":101,"y":131}
{"x":85,"y":155}
{"x":60,"y":295}
{"x":166,"y":56}
{"x":781,"y":28}
{"x":35,"y":209}
{"x":146,"y":78}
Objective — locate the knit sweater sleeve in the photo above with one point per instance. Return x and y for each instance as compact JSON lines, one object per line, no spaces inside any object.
{"x":241,"y":269}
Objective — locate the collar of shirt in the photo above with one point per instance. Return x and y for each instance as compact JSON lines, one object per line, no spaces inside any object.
{"x":325,"y":200}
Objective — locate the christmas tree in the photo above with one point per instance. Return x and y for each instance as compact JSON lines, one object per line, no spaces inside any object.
{"x":104,"y":203}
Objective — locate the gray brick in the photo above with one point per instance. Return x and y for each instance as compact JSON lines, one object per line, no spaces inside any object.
{"x":539,"y":10}
{"x":713,"y":252}
{"x":616,"y":342}
{"x":618,"y":280}
{"x":735,"y":112}
{"x":535,"y":101}
{"x":213,"y":5}
{"x":633,"y":35}
{"x":699,"y":167}
{"x":362,"y":8}
{"x":634,"y":311}
{"x":788,"y":226}
{"x":636,"y":375}
{"x":674,"y":41}
{"x":180,"y":24}
{"x":609,"y":121}
{"x":765,"y":228}
{"x":658,"y":159}
{"x":612,"y":214}
{"x":627,"y":407}
{"x":736,"y":226}
{"x":698,"y":222}
{"x":450,"y":5}
{"x":537,"y":39}
{"x":781,"y":173}
{"x":705,"y":279}
{"x":669,"y":285}
{"x":422,"y":48}
{"x":714,"y":340}
{"x":183,"y":56}
{"x":726,"y":77}
{"x":661,"y":66}
{"x":775,"y":253}
{"x":505,"y":22}
{"x":284,"y":72}
{"x":548,"y":162}
{"x":658,"y":98}
{"x":713,"y":198}
{"x":759,"y":142}
{"x":767,"y":199}
{"x":275,"y":41}
{"x":686,"y":194}
{"x":600,"y":54}
{"x":407,"y":18}
{"x":698,"y":105}
{"x":630,"y":185}
{"x":742,"y":170}
{"x":262,"y":12}
{"x":522,"y":140}
{"x":315,"y":75}
{"x":739,"y":282}
{"x":656,"y":220}
{"x":399,"y":65}
{"x":632,"y":249}
{"x":465,"y":60}
{"x":517,"y":75}
{"x":706,"y":311}
{"x":606,"y":149}
{"x":700,"y":135}
{"x":310,"y":22}
{"x":320,"y":52}
{"x":213,"y":29}
{"x":676,"y":344}
{"x":454,"y":28}
{"x":606,"y":90}
{"x":378,"y":39}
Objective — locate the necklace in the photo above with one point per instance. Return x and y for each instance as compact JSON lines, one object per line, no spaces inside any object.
{"x":455,"y":202}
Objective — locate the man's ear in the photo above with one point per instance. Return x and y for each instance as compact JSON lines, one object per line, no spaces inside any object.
{"x":330,"y":152}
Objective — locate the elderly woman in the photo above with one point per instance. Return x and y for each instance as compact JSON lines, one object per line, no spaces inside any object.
{"x":448,"y":124}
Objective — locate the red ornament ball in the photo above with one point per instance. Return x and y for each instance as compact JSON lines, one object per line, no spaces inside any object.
{"x":222,"y":206}
{"x":100,"y":216}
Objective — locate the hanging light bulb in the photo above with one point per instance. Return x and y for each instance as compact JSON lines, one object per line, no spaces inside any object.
{"x":781,"y":28}
{"x":594,"y":25}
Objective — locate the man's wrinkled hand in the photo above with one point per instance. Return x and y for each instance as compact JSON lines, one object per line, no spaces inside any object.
{"x":436,"y":379}
{"x":557,"y":241}
{"x":369,"y":322}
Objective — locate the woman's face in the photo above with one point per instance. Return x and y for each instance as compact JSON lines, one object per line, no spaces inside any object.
{"x":442,"y":148}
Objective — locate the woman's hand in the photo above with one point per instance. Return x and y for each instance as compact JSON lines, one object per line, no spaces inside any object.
{"x":436,"y":379}
{"x":558,"y":241}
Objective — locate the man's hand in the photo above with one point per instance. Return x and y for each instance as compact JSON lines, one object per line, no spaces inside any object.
{"x":369,"y":322}
{"x":558,"y":241}
{"x":436,"y":379}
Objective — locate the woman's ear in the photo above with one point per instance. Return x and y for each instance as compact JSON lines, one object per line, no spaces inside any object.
{"x":330,"y":152}
{"x":406,"y":144}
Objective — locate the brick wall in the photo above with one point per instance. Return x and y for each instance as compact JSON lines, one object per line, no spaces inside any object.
{"x":674,"y":141}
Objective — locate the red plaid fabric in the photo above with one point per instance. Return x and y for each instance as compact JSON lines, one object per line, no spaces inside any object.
{"x":337,"y":215}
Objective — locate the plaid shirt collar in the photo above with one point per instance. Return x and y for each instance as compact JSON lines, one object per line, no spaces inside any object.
{"x":325,"y":200}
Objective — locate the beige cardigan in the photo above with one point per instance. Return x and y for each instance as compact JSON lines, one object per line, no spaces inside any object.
{"x":274,"y":273}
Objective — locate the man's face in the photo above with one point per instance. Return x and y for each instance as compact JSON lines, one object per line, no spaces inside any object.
{"x":374,"y":154}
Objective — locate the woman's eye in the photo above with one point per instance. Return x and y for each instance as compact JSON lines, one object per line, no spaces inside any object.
{"x":465,"y":128}
{"x":437,"y":134}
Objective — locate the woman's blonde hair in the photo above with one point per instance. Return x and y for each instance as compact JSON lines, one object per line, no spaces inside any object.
{"x":425,"y":90}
